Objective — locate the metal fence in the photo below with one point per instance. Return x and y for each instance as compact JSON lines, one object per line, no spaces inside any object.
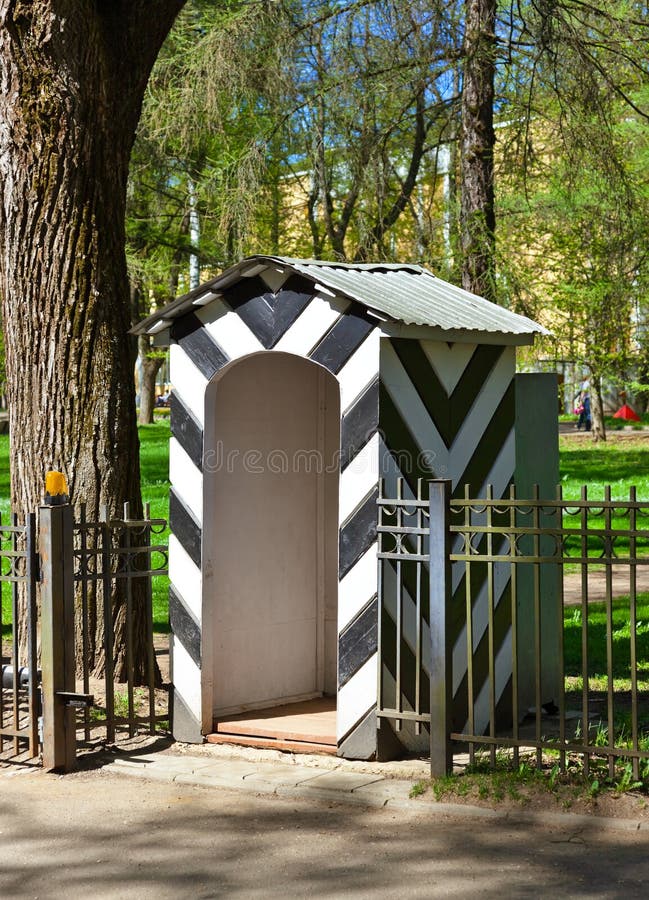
{"x":19,"y":694}
{"x":115,"y":560}
{"x":403,"y":587}
{"x":77,"y":595}
{"x":493,"y":580}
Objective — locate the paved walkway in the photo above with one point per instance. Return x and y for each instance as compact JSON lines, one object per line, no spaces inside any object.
{"x":274,"y":777}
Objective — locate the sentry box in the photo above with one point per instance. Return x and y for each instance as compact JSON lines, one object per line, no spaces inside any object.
{"x":297,"y":386}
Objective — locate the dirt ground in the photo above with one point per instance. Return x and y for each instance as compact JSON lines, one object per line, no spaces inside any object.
{"x":572,"y":584}
{"x":93,"y":835}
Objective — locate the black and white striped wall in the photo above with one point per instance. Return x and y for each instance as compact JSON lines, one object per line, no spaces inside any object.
{"x":300,"y":318}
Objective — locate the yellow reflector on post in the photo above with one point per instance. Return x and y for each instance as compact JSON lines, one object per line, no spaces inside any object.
{"x":56,"y":488}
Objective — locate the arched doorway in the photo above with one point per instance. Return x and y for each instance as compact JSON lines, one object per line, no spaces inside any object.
{"x":270,"y":533}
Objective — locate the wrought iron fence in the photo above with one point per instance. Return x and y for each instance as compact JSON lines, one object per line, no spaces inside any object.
{"x":115,"y":560}
{"x":609,"y":537}
{"x":403,"y":587}
{"x":19,"y":692}
{"x":493,"y":578}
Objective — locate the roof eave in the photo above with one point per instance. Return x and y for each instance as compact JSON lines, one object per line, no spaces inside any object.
{"x":459,"y":335}
{"x":245,"y":268}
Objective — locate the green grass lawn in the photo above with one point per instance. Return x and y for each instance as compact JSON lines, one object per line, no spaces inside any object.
{"x":597,"y":662}
{"x":154,"y":465}
{"x":622,"y":465}
{"x":4,"y":475}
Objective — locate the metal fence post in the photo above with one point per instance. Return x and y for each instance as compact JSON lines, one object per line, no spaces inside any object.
{"x":57,"y":636}
{"x":441,"y":685}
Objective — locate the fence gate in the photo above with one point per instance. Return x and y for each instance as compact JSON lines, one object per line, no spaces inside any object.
{"x":68,"y":584}
{"x":115,"y":563}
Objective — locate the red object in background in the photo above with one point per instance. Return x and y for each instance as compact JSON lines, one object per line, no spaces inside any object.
{"x":625,"y":412}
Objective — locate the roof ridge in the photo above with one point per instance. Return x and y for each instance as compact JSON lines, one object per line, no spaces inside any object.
{"x":341,"y":264}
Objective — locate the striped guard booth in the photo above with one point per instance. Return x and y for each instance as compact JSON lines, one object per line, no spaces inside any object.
{"x":425,"y":373}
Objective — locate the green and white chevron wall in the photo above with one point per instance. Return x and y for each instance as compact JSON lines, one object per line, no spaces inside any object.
{"x":446,"y":411}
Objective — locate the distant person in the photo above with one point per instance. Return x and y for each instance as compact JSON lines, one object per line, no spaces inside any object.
{"x":587,"y":419}
{"x":583,"y":407}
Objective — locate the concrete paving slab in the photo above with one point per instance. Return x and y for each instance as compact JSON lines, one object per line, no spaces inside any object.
{"x":165,"y":767}
{"x":130,"y":763}
{"x":218,"y":775}
{"x":153,"y":773}
{"x":164,"y":762}
{"x":235,"y":768}
{"x":210,"y":780}
{"x":273,"y":776}
{"x":388,"y":791}
{"x":340,"y":781}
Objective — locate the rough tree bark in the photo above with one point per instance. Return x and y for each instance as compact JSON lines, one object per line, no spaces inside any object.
{"x":72,"y":78}
{"x":477,"y":214}
{"x":150,"y":367}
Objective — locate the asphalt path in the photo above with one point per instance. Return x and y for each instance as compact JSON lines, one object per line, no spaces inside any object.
{"x":95,"y":835}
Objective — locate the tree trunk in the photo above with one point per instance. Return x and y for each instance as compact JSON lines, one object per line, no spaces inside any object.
{"x":477,"y":215}
{"x":150,"y":368}
{"x":72,"y":76}
{"x":597,"y":409}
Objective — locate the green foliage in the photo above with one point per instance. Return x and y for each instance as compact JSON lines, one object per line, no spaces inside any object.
{"x":496,"y":783}
{"x":305,"y":130}
{"x":523,"y":782}
{"x":573,"y":186}
{"x":418,"y":788}
{"x":200,"y":142}
{"x":314,"y":130}
{"x":373,"y":101}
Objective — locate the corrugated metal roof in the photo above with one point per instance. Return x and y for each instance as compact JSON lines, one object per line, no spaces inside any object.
{"x":407,"y":294}
{"x":417,"y":297}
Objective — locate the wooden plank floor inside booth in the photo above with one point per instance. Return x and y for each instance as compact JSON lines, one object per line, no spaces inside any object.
{"x":305,"y":727}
